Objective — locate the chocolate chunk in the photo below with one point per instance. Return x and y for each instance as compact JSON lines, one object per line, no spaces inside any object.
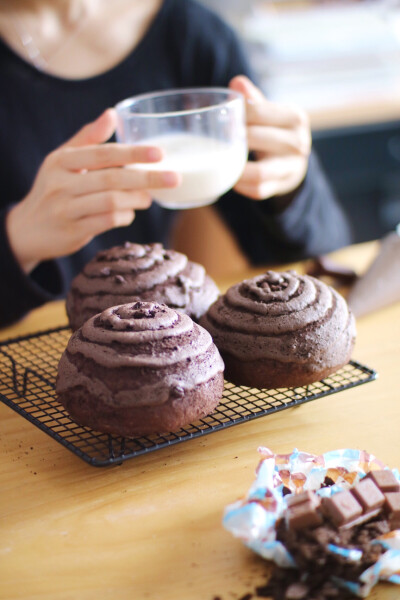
{"x":302,"y":510}
{"x":377,"y":528}
{"x":308,"y":496}
{"x":392,"y":505}
{"x":368,"y":495}
{"x":342,"y":508}
{"x":323,"y":265}
{"x":328,"y":481}
{"x":303,"y":515}
{"x":329,"y":590}
{"x":324,"y":535}
{"x":394,"y":524}
{"x":385,"y":480}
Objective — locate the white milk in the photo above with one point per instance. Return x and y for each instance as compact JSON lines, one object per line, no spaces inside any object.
{"x":209,"y":168}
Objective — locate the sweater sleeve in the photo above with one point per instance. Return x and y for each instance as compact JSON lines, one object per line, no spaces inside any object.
{"x":312,"y":223}
{"x":20,"y":292}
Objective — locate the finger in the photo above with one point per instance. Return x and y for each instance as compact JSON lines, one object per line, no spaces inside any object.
{"x":269,"y":169}
{"x":259,"y":110}
{"x":276,"y":140}
{"x":275,"y":114}
{"x":271,"y":177}
{"x":108,"y":155}
{"x":96,"y":132}
{"x":105,"y":202}
{"x":242,"y":84}
{"x":122,"y":179}
{"x":268,"y":189}
{"x":89,"y":227}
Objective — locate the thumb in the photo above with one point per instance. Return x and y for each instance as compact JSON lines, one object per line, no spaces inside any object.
{"x":96,"y":132}
{"x":242,"y":84}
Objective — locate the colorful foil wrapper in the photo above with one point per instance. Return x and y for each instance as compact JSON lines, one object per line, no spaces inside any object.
{"x":253,"y":518}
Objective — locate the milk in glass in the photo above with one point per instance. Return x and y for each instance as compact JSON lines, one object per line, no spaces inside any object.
{"x":209,"y":168}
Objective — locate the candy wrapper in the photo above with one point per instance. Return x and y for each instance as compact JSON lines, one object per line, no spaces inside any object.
{"x":254,"y":519}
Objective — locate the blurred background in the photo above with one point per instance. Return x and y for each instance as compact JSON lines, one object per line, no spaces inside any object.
{"x":340,"y":61}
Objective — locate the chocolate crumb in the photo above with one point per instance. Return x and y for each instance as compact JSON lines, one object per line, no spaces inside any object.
{"x":317,"y":564}
{"x":328,"y":481}
{"x":296,"y":591}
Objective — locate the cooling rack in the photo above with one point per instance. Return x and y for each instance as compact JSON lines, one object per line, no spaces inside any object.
{"x":28,"y":367}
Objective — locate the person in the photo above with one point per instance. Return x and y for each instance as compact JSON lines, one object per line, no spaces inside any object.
{"x":65,"y":193}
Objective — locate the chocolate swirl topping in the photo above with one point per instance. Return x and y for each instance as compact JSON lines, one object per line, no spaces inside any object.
{"x":282,"y":316}
{"x":132,"y":272}
{"x":139,"y":354}
{"x":136,"y":267}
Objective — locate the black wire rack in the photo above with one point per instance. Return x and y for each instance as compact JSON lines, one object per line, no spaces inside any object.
{"x":28,"y":368}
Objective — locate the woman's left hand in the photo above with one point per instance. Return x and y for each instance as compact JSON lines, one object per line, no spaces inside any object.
{"x":280,"y":136}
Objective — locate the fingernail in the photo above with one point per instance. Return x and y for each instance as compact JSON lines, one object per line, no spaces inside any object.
{"x":170,"y":178}
{"x":154,"y":154}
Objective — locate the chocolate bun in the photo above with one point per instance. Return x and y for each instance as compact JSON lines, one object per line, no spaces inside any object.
{"x":281,"y":330}
{"x":140,"y":368}
{"x":134,"y":272}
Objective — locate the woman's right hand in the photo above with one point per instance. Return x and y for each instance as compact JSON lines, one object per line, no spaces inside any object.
{"x":80,"y":191}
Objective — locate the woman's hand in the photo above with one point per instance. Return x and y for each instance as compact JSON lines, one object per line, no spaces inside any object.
{"x":281,"y":138}
{"x":80,"y":191}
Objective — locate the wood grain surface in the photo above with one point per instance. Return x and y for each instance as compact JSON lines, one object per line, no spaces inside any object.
{"x":151,"y":528}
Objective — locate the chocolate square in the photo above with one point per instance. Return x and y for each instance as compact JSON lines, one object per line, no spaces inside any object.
{"x":303,"y":515}
{"x":307,"y":496}
{"x":392,"y":504}
{"x":368,"y":495}
{"x":385,"y":480}
{"x":342,"y":508}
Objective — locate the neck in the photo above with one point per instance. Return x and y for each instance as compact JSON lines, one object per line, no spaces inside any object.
{"x":62,"y":36}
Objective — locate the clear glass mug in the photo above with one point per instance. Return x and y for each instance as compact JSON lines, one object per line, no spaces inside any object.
{"x":202,"y":132}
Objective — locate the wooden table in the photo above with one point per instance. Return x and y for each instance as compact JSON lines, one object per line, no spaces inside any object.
{"x":151,"y":528}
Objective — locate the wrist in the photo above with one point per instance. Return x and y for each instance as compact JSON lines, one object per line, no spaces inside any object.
{"x":282,"y":202}
{"x":18,"y":239}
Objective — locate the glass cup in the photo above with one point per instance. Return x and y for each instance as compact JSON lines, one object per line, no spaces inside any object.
{"x":202,"y":133}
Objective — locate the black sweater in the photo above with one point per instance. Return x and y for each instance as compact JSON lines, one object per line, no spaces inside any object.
{"x":186,"y":46}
